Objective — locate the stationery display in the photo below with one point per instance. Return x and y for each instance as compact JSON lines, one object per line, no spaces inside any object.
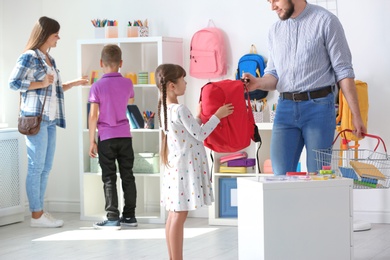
{"x":135,"y":117}
{"x":138,"y":29}
{"x":105,"y":28}
{"x":143,"y":77}
{"x":132,"y":76}
{"x":236,"y":162}
{"x":149,"y":119}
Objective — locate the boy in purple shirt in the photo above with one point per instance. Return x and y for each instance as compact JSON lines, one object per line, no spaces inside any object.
{"x":109,"y":98}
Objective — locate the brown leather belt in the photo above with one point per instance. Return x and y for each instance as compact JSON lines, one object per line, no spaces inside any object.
{"x":304,"y":96}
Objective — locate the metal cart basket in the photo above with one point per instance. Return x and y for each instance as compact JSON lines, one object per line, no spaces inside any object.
{"x":368,"y":168}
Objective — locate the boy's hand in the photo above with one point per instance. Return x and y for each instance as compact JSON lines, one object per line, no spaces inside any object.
{"x":224,"y":111}
{"x":93,"y":151}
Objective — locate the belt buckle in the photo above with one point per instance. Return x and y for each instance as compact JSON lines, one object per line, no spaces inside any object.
{"x":293,"y":97}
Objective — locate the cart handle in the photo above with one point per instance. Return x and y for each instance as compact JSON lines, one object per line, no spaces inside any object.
{"x":364,"y":134}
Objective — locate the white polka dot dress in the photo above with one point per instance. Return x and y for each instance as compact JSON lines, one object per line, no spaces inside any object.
{"x":186,"y":182}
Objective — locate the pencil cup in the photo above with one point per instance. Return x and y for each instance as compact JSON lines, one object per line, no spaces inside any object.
{"x":132,"y":31}
{"x":143,"y":31}
{"x":149,"y":123}
{"x":271,"y":115}
{"x":99,"y":32}
{"x":111,"y":31}
{"x":258,"y":117}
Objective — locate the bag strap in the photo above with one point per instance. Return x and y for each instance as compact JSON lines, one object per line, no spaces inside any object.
{"x":211,"y":23}
{"x":253,"y":49}
{"x":44,"y":101}
{"x":256,"y":135}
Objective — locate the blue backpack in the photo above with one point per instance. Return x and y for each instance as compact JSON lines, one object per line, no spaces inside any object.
{"x":254,"y":64}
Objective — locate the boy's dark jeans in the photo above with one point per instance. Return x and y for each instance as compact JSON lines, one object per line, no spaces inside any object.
{"x":120,"y":149}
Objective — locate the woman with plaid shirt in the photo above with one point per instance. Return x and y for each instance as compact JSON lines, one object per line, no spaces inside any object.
{"x":36,"y":76}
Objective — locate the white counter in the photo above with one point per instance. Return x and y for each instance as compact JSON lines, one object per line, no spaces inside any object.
{"x":295,"y":219}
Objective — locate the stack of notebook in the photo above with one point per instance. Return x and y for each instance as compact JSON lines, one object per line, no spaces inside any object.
{"x":236,"y":163}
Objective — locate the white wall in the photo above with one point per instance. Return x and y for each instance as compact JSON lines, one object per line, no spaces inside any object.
{"x":244,"y":22}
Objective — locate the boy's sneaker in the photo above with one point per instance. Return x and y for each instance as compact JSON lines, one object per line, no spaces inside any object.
{"x":129,"y":222}
{"x":46,"y":220}
{"x":108,"y":224}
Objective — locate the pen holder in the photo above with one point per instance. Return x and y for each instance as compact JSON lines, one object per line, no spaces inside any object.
{"x":143,"y":31}
{"x":149,"y":123}
{"x":111,"y":31}
{"x":258,"y":117}
{"x":271,"y":116}
{"x":99,"y":32}
{"x":132,"y":31}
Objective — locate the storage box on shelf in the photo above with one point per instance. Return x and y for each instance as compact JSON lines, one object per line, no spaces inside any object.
{"x":223,"y":209}
{"x":139,"y":55}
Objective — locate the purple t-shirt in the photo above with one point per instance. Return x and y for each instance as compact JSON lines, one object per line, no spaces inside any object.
{"x":112,"y":92}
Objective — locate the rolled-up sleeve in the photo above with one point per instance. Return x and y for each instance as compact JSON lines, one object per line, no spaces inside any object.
{"x":22,"y":74}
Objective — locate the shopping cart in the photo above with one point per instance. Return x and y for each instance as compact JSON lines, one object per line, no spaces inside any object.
{"x":368,"y":168}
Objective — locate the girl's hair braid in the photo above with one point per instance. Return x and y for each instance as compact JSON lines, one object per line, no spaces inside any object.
{"x":164,"y":74}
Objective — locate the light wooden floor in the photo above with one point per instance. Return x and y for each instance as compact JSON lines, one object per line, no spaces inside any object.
{"x":77,"y":240}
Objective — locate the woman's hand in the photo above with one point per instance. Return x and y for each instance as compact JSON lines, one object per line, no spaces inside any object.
{"x":47,"y":80}
{"x":83,"y":81}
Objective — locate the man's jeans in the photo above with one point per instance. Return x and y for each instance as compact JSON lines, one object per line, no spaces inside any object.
{"x":309,"y":123}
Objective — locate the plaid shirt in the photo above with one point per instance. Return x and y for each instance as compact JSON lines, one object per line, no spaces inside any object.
{"x":29,"y":68}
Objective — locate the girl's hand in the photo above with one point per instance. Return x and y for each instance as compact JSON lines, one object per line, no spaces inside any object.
{"x":224,"y":111}
{"x":199,"y":110}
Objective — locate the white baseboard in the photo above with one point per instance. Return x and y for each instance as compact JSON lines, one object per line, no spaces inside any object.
{"x":74,"y":207}
{"x":372,"y":216}
{"x":57,"y":206}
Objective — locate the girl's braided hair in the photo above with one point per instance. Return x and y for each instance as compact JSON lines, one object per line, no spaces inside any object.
{"x":164,"y":74}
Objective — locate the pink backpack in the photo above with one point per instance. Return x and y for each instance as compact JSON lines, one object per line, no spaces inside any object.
{"x":235,"y":131}
{"x":208,"y":54}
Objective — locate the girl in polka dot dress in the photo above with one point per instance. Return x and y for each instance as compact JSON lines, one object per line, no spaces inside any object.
{"x":186,"y":182}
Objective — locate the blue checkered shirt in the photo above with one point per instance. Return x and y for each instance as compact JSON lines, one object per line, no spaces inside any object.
{"x":31,"y":67}
{"x":308,"y":52}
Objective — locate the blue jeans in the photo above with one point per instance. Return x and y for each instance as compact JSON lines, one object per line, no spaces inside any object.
{"x":40,"y":154}
{"x":309,"y":123}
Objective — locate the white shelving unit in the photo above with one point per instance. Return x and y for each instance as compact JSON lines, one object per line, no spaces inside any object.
{"x":139,"y":54}
{"x":264,"y":153}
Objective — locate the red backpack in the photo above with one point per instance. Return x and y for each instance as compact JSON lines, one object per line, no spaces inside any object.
{"x":235,"y":131}
{"x":208,"y":54}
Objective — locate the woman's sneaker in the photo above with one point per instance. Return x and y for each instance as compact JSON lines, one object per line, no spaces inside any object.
{"x":108,"y":224}
{"x":46,"y":220}
{"x":129,"y":222}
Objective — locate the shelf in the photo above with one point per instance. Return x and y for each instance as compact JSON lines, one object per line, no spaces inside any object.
{"x":264,"y":126}
{"x":139,"y":54}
